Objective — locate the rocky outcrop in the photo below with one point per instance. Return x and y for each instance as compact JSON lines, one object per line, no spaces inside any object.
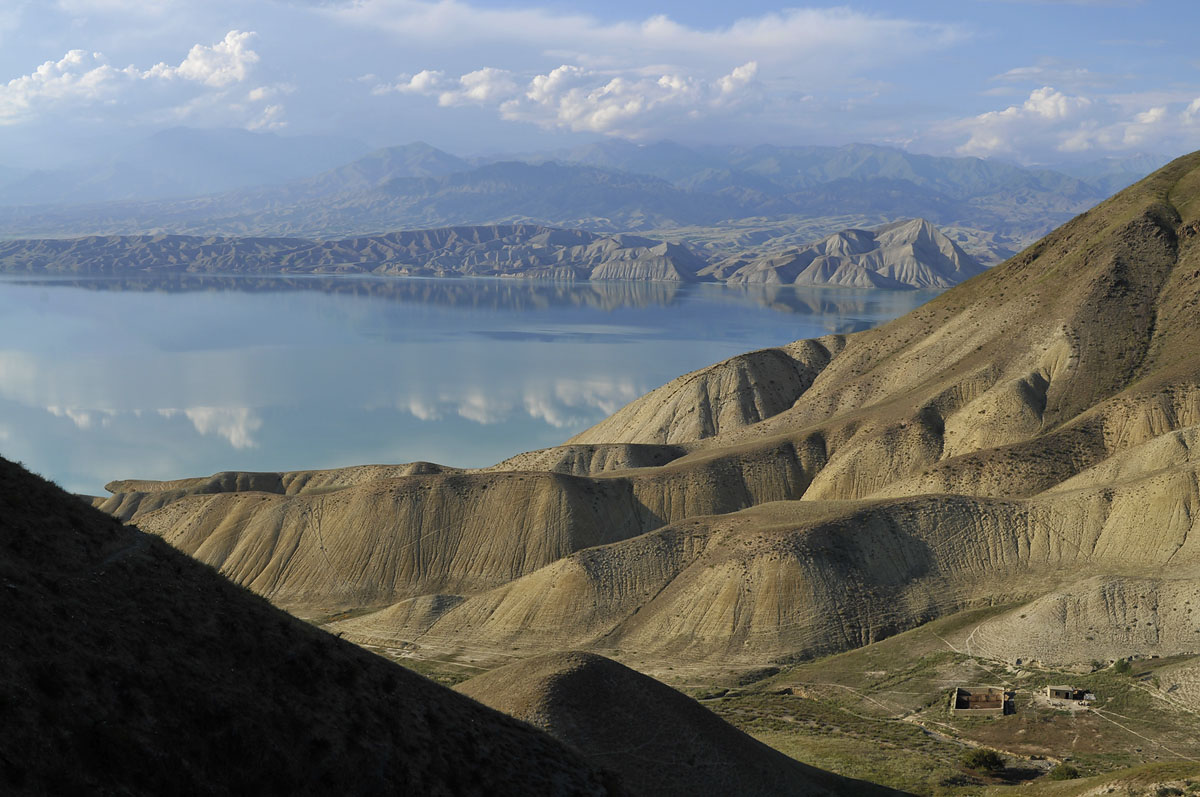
{"x":904,"y":254}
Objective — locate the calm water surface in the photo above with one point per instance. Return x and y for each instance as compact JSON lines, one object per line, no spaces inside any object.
{"x":185,"y":376}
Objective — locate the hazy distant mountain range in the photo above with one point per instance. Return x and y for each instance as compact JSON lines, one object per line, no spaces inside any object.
{"x":611,"y":186}
{"x":179,"y":162}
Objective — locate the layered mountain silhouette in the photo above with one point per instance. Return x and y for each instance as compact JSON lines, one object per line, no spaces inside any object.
{"x":180,"y":162}
{"x":342,"y":203}
{"x":1023,"y":437}
{"x":612,"y":186}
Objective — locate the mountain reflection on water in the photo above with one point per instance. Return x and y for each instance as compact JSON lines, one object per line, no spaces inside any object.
{"x":526,"y":294}
{"x":164,"y":377}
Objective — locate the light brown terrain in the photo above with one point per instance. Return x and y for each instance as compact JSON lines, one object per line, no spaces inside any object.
{"x":1022,"y":437}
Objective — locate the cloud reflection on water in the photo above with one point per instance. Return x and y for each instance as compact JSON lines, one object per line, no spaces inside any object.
{"x":103,"y":379}
{"x":561,"y":403}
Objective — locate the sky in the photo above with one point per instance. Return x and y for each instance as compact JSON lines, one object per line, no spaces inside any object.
{"x":1030,"y":81}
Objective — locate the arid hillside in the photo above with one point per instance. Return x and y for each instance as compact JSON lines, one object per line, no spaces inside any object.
{"x":1025,"y":436}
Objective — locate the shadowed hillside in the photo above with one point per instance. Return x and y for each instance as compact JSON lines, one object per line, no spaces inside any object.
{"x":128,"y":668}
{"x":659,"y":741}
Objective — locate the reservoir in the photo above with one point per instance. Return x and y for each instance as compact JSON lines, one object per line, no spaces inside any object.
{"x":165,"y":377}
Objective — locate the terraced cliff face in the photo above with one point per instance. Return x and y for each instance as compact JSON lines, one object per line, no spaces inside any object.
{"x":525,"y":250}
{"x":1027,"y":435}
{"x":903,"y":254}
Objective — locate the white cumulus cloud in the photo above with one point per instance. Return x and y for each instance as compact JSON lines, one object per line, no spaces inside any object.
{"x":1051,"y":122}
{"x":220,"y":65}
{"x":82,"y":79}
{"x":580,"y":99}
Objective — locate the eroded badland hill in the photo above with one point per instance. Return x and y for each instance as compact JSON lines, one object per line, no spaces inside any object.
{"x":1014,"y":460}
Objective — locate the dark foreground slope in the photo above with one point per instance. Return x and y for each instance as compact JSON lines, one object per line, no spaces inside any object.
{"x":660,"y":742}
{"x":126,"y":667}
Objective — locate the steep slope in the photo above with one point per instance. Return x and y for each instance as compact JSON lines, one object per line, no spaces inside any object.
{"x":904,"y":254}
{"x":128,"y":668}
{"x":350,"y":543}
{"x":657,"y":740}
{"x":1099,"y":618}
{"x":1023,"y":432}
{"x":737,"y":392}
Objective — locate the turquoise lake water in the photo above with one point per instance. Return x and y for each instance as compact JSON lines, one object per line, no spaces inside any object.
{"x":167,"y":377}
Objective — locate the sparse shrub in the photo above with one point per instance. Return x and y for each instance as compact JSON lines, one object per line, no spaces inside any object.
{"x":711,"y":694}
{"x":1097,"y":665}
{"x":1063,"y":772}
{"x":750,"y":676}
{"x":1122,"y":667}
{"x":983,"y":760}
{"x":959,"y":780}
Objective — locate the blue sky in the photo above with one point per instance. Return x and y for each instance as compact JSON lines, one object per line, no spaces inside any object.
{"x":1034,"y":82}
